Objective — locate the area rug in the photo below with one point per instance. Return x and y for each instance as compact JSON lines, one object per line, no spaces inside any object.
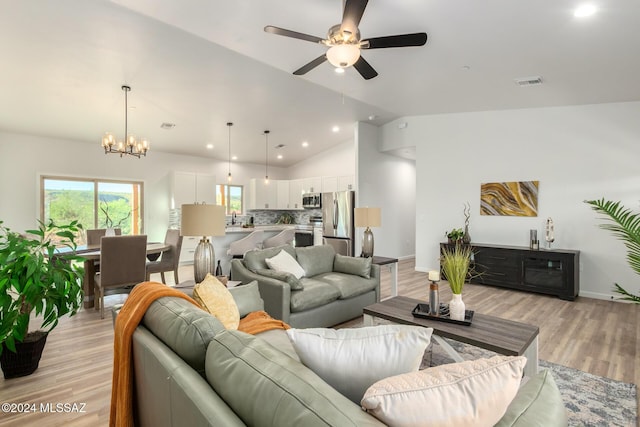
{"x":590,"y":400}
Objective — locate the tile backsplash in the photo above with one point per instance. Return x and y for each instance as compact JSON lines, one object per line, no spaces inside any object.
{"x":260,"y":217}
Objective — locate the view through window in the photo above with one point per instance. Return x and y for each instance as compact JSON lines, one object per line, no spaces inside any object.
{"x":229,"y":196}
{"x":94,"y":203}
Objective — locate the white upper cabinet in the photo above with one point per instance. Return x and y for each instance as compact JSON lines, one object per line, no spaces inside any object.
{"x":346,"y":183}
{"x":262,"y":195}
{"x":189,"y":187}
{"x":295,"y":194}
{"x":312,"y":185}
{"x":329,"y":184}
{"x":282,"y":194}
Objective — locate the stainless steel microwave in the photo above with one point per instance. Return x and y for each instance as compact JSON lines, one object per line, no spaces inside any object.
{"x":312,"y":200}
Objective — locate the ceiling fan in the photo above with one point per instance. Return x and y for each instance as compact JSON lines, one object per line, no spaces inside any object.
{"x":344,"y":42}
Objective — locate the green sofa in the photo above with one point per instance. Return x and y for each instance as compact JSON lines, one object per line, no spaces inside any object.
{"x":190,"y":371}
{"x":334,"y":288}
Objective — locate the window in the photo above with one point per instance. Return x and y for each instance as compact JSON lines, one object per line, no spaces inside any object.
{"x":230,"y":196}
{"x":94,"y":203}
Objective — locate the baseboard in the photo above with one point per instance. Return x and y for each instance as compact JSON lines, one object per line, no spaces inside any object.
{"x":606,"y":297}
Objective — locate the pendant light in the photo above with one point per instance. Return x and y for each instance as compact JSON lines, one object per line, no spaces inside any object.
{"x":229,"y":124}
{"x":266,"y":157}
{"x":130,"y":146}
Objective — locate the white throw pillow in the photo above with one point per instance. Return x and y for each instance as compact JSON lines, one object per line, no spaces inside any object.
{"x":285,"y":262}
{"x":470,"y":393}
{"x":351,"y":360}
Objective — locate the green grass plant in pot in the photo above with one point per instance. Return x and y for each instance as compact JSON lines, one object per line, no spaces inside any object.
{"x":456,"y":262}
{"x":34,"y":279}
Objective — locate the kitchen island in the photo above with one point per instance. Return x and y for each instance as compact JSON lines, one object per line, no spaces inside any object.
{"x":221,"y":243}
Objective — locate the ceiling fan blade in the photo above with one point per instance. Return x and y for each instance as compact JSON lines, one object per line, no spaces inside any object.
{"x":401,"y":40}
{"x":352,"y":14}
{"x":294,"y":34}
{"x":311,"y":65}
{"x":365,"y":69}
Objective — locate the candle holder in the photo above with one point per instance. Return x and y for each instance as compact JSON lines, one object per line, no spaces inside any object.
{"x":434,"y":297}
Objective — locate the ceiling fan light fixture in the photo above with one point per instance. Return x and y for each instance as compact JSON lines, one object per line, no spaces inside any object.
{"x":343,"y":55}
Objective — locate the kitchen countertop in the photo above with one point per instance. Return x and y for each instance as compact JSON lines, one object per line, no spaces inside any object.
{"x":270,"y":227}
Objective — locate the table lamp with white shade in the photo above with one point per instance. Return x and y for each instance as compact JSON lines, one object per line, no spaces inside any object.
{"x":367,"y":217}
{"x":203,"y":220}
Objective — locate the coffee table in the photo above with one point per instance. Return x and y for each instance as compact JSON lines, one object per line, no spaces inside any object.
{"x":489,"y":332}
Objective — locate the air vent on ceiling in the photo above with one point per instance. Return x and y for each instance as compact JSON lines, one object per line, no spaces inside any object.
{"x":167,"y":126}
{"x":279,"y":146}
{"x":529,"y":81}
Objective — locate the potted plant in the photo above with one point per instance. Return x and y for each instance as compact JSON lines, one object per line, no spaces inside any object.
{"x":456,"y":262}
{"x":626,"y":226}
{"x":455,"y":235}
{"x":35,"y":277}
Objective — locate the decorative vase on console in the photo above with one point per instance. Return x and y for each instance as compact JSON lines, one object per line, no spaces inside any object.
{"x":456,"y":307}
{"x":466,"y":238}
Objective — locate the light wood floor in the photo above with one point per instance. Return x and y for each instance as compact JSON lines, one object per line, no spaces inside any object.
{"x":600,"y":337}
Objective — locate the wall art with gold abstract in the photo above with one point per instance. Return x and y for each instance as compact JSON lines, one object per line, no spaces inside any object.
{"x":509,"y":198}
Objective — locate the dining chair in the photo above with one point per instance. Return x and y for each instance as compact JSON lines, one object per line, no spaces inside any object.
{"x":285,"y":237}
{"x":94,"y":235}
{"x":122,"y":265}
{"x":169,"y":259}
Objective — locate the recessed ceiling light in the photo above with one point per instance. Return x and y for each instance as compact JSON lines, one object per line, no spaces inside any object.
{"x":584,"y":10}
{"x":209,"y":146}
{"x":373,"y":117}
{"x":339,"y":70}
{"x":305,"y":144}
{"x":335,"y":129}
{"x":234,"y":157}
{"x":279,"y":156}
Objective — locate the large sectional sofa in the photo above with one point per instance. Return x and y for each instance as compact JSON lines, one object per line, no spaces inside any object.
{"x":190,"y":371}
{"x":334,"y":288}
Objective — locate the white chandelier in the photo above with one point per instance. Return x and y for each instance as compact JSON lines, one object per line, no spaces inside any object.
{"x":130,"y":146}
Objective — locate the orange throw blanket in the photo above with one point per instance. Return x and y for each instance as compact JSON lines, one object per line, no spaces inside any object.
{"x":259,"y":321}
{"x":127,"y":321}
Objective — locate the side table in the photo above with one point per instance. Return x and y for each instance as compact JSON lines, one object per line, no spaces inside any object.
{"x":393,"y":268}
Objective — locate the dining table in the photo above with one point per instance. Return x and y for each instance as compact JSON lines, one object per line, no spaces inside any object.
{"x":91,"y":255}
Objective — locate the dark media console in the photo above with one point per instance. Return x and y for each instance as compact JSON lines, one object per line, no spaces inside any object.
{"x":554,"y":271}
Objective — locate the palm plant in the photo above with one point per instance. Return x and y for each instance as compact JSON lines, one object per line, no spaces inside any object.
{"x":625,"y":225}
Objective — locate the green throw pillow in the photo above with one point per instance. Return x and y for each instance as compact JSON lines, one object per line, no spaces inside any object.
{"x":352,"y":265}
{"x":247,"y":298}
{"x":294,"y":283}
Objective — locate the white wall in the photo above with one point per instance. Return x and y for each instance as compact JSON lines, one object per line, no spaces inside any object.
{"x":23,"y":158}
{"x":577,"y":153}
{"x":388,"y":182}
{"x":338,"y":160}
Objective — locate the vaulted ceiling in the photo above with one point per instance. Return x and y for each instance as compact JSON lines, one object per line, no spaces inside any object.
{"x":201,"y":63}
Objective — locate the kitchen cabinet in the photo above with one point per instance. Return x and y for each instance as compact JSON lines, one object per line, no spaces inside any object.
{"x":312,"y":185}
{"x":262,"y":195}
{"x":346,"y":183}
{"x":295,"y":194}
{"x":188,"y":249}
{"x":282,"y":194}
{"x":329,"y":184}
{"x":189,"y":187}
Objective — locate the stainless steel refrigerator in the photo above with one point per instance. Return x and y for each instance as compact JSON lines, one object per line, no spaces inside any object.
{"x":337,"y":221}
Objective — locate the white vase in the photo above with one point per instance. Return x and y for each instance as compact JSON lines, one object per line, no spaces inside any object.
{"x":456,"y":307}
